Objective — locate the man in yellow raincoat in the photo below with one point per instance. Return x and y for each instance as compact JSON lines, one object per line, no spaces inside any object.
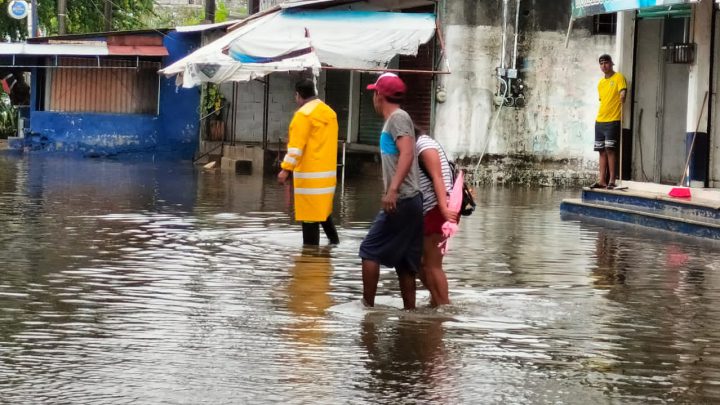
{"x":312,"y":157}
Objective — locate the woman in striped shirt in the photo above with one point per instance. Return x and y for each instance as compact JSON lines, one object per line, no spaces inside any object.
{"x":435,"y":184}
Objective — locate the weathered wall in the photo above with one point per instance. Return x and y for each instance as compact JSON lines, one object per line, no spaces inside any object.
{"x":550,"y":139}
{"x":91,"y":134}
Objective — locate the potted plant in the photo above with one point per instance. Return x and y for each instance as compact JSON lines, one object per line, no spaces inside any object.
{"x":8,"y":116}
{"x":212,"y":107}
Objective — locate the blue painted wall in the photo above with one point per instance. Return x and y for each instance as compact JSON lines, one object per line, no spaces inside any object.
{"x":179,"y":108}
{"x":93,"y":134}
{"x":175,"y":130}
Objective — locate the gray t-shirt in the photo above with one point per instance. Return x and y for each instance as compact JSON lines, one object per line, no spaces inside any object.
{"x":398,"y":124}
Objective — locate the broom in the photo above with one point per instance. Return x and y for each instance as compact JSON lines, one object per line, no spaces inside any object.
{"x":683,"y":190}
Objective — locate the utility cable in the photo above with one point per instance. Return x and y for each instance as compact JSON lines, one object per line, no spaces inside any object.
{"x":487,"y":142}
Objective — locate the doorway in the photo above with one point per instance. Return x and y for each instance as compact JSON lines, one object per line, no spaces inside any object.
{"x":661,"y":97}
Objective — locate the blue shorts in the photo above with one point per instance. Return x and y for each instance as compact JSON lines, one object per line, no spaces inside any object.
{"x":396,"y":240}
{"x":606,"y":135}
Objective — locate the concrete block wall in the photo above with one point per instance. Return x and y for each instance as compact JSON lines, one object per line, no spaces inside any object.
{"x":249,"y":106}
{"x":249,"y":102}
{"x":282,"y":105}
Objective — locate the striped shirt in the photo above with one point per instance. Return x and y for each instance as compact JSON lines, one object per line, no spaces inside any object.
{"x":424,"y":142}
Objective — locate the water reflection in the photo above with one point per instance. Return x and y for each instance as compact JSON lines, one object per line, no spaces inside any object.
{"x":656,"y":328}
{"x":156,"y":282}
{"x":407,"y":358}
{"x":308,"y":294}
{"x":612,"y":263}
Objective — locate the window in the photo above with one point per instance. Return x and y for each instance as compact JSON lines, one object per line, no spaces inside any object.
{"x":604,"y":24}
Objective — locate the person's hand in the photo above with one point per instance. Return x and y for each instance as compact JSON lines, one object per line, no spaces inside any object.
{"x":389,"y":201}
{"x":282,"y":176}
{"x":449,"y":215}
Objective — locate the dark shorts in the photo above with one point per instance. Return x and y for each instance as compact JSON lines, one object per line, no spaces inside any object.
{"x":396,"y":240}
{"x":606,"y":135}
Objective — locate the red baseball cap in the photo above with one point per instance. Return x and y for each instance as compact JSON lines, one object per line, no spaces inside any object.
{"x":389,"y":85}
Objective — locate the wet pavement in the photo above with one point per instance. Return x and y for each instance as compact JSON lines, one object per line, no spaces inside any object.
{"x":154,"y":282}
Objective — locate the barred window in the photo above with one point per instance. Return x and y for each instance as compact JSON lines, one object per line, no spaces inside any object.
{"x":604,"y":24}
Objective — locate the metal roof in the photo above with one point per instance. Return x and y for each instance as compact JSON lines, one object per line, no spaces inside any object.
{"x":22,"y":48}
{"x":92,"y":48}
{"x":205,"y":27}
{"x":98,"y":35}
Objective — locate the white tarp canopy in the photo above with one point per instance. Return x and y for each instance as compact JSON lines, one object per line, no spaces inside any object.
{"x":295,"y":40}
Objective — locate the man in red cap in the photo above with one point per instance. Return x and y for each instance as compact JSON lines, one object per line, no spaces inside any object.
{"x":395,"y":238}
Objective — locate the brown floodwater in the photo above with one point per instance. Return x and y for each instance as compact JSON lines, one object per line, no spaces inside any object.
{"x":157,"y":282}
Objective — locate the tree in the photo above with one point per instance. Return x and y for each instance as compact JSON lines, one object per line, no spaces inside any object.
{"x":83,"y":16}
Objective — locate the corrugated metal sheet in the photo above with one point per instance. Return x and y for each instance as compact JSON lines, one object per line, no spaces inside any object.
{"x":98,"y":35}
{"x":93,"y":48}
{"x":205,"y":27}
{"x":22,"y":48}
{"x":418,"y":101}
{"x":129,"y":91}
{"x":370,"y":122}
{"x":337,"y":94}
{"x":137,"y":50}
{"x":129,"y":40}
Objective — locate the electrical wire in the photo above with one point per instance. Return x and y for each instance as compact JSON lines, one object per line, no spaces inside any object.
{"x":640,"y":148}
{"x":487,"y":142}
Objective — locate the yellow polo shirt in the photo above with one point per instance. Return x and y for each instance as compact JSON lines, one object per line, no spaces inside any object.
{"x":609,"y":91}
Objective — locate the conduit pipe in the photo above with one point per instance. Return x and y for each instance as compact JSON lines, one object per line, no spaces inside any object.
{"x":517,"y":29}
{"x":504,"y":34}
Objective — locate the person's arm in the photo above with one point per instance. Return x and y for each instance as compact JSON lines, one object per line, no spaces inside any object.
{"x":433,"y":168}
{"x":623,"y":89}
{"x":406,"y":150}
{"x":297,"y":138}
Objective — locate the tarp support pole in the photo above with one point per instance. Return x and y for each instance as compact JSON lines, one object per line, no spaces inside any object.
{"x":426,"y":72}
{"x":232,"y":115}
{"x":266,"y":111}
{"x":570,"y":27}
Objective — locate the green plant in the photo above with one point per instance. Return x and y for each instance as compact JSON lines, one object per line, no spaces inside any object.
{"x":213,"y":100}
{"x":222,"y":13}
{"x":8,"y":116}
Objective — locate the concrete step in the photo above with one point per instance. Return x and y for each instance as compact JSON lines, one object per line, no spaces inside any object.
{"x":644,"y":217}
{"x":245,"y":153}
{"x":696,"y":208}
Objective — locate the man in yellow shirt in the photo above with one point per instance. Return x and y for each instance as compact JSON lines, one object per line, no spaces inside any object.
{"x":608,"y":124}
{"x":312,"y":157}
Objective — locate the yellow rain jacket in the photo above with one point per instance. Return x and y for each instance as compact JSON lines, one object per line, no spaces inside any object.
{"x":312,"y":157}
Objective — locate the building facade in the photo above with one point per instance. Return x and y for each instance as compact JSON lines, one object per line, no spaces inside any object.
{"x":520,"y":102}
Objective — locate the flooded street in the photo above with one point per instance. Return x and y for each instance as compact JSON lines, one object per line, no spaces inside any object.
{"x":151,"y":282}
